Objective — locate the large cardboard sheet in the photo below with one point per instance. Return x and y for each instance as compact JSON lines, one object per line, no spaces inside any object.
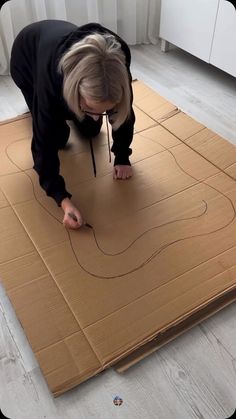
{"x":159,"y":258}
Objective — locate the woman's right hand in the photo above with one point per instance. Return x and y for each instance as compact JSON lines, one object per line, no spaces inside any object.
{"x":72,"y":216}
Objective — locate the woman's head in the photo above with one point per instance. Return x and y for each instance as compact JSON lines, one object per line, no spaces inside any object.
{"x":95,"y":78}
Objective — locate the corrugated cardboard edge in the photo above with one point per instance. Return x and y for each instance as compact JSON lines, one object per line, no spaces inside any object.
{"x":178,"y":328}
{"x":204,"y":312}
{"x":17,"y":118}
{"x":70,"y":385}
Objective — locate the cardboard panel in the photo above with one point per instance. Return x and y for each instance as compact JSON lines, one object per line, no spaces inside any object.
{"x":210,"y":145}
{"x":166,"y":336}
{"x":160,"y":256}
{"x":183,"y":126}
{"x":46,"y":316}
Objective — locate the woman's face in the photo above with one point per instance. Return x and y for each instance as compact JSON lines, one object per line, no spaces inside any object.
{"x":95,"y":109}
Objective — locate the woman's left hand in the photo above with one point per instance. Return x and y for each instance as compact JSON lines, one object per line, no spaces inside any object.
{"x":122,"y":171}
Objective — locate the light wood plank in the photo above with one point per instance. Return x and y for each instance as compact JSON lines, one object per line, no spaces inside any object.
{"x":199,"y":89}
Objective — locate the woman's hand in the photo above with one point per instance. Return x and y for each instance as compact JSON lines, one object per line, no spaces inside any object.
{"x":72,"y":217}
{"x":122,"y":171}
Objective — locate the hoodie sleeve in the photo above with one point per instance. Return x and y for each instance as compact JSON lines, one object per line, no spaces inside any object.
{"x":2,"y":3}
{"x":50,"y":131}
{"x":122,"y":139}
{"x":123,"y":136}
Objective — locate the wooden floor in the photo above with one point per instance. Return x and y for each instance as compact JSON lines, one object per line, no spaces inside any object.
{"x":192,"y":377}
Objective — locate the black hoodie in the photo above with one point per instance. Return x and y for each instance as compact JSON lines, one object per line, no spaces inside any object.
{"x":2,"y":3}
{"x":36,"y":52}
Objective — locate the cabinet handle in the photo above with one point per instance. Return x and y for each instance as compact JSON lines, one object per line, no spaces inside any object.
{"x":233,"y":2}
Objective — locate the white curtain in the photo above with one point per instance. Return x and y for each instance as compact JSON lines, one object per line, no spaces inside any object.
{"x":136,"y":21}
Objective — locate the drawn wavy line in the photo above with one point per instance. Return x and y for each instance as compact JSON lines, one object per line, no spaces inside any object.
{"x":156,"y":252}
{"x":198,"y":182}
{"x":150,"y":229}
{"x":95,"y":238}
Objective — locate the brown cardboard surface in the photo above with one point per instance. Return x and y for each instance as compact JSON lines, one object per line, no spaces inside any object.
{"x":159,"y":259}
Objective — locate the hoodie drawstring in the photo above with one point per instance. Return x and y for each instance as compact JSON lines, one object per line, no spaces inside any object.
{"x":93,"y":157}
{"x":108,"y":139}
{"x":92,"y":151}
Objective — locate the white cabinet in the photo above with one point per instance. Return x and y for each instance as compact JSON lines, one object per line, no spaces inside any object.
{"x":223,"y":54}
{"x":204,"y":28}
{"x":189,"y":24}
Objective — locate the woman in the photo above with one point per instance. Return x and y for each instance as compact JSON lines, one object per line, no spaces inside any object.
{"x":74,"y":73}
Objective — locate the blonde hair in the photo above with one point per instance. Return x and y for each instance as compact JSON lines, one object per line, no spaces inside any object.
{"x":95,"y":67}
